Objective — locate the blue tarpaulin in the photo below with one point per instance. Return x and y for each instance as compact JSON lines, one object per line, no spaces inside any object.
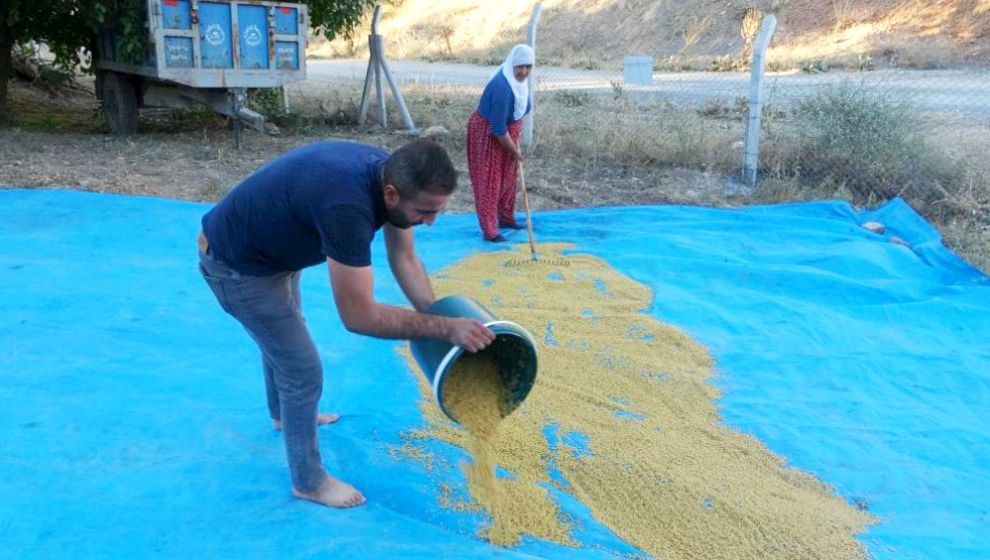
{"x":133,"y":419}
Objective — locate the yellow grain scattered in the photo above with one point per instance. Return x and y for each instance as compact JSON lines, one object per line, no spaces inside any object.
{"x":638,"y":437}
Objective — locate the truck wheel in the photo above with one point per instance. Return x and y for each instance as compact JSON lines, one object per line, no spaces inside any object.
{"x":120,"y":103}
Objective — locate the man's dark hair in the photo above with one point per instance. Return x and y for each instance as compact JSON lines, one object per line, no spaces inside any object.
{"x":421,"y":165}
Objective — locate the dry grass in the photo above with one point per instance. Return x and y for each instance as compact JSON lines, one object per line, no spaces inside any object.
{"x":843,"y":11}
{"x":965,"y":216}
{"x":748,"y":30}
{"x":590,"y":150}
{"x":969,"y":238}
{"x":189,"y":154}
{"x":616,"y":131}
{"x":696,"y":29}
{"x":601,"y":131}
{"x":33,"y":108}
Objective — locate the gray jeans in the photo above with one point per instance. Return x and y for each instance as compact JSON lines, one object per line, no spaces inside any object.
{"x":269,"y":308}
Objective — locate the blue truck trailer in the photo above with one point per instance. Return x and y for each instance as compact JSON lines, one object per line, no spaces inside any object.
{"x":201,"y":53}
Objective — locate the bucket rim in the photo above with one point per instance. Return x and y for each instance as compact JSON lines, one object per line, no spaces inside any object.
{"x":456,"y":351}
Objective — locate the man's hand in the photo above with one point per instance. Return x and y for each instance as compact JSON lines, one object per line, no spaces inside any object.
{"x":469,"y":334}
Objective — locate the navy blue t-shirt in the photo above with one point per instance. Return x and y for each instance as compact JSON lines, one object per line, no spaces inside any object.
{"x":316,"y":201}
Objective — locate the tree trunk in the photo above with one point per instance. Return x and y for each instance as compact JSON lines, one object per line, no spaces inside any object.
{"x":6,"y":45}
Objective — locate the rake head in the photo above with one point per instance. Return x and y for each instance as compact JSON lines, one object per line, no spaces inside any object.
{"x":536,"y":261}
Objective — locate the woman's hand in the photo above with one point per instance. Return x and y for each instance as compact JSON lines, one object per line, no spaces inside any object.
{"x":508,"y":145}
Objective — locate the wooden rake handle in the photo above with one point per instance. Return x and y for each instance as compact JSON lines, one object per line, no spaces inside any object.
{"x":529,"y":221}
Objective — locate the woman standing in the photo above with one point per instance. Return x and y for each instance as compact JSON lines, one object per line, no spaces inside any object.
{"x":493,"y":142}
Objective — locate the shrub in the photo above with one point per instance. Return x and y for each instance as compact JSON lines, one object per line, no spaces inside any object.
{"x":872,"y":144}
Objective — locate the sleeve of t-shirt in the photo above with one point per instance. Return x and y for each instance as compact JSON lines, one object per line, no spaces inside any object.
{"x":347,"y":232}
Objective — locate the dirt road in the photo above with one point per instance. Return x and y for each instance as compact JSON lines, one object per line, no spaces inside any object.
{"x":964,"y":94}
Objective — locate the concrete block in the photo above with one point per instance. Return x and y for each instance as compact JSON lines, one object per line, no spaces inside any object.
{"x":637,"y":70}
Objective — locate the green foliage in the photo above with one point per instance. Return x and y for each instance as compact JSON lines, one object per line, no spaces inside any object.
{"x":267,"y":101}
{"x":63,"y":24}
{"x":51,"y":77}
{"x":337,"y":17}
{"x":130,"y":18}
{"x":873,"y":145}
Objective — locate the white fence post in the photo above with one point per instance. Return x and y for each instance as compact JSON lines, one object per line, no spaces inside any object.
{"x":372,"y":73}
{"x":751,"y":143}
{"x":377,"y":68}
{"x":527,"y":131}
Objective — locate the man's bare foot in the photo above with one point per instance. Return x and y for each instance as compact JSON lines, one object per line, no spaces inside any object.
{"x":333,"y":493}
{"x":321,"y":419}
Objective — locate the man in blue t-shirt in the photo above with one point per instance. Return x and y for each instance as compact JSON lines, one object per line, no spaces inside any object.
{"x":316,"y":203}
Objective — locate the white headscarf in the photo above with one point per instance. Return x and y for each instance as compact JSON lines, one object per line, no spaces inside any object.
{"x":520,"y":55}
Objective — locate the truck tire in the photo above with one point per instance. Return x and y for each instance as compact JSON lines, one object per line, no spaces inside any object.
{"x":119,"y":101}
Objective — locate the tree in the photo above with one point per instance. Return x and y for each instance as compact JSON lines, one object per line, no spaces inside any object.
{"x":60,"y":23}
{"x":69,"y":26}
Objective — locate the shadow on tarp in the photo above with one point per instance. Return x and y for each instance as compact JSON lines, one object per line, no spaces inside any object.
{"x":134,"y":421}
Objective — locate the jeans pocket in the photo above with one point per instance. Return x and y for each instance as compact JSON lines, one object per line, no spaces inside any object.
{"x":216,"y":284}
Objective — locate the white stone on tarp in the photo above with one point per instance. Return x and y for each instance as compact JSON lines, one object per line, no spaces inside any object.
{"x":874,"y":227}
{"x":432,"y":131}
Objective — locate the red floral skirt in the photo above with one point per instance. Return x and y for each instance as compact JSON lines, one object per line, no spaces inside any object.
{"x":493,"y":174}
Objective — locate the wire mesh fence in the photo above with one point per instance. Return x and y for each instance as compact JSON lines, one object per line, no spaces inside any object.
{"x":868,"y":127}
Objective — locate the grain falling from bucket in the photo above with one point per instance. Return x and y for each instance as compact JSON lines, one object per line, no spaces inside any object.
{"x":473,"y":393}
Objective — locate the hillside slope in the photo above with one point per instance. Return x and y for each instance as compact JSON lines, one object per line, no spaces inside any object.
{"x":687,"y":33}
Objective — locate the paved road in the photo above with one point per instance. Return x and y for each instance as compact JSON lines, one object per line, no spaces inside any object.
{"x":962,"y":93}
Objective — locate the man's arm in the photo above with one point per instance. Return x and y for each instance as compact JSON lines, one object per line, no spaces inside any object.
{"x":353,"y":290}
{"x":407,"y":268}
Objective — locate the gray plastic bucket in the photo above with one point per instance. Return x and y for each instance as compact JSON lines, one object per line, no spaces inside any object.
{"x":514,"y":350}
